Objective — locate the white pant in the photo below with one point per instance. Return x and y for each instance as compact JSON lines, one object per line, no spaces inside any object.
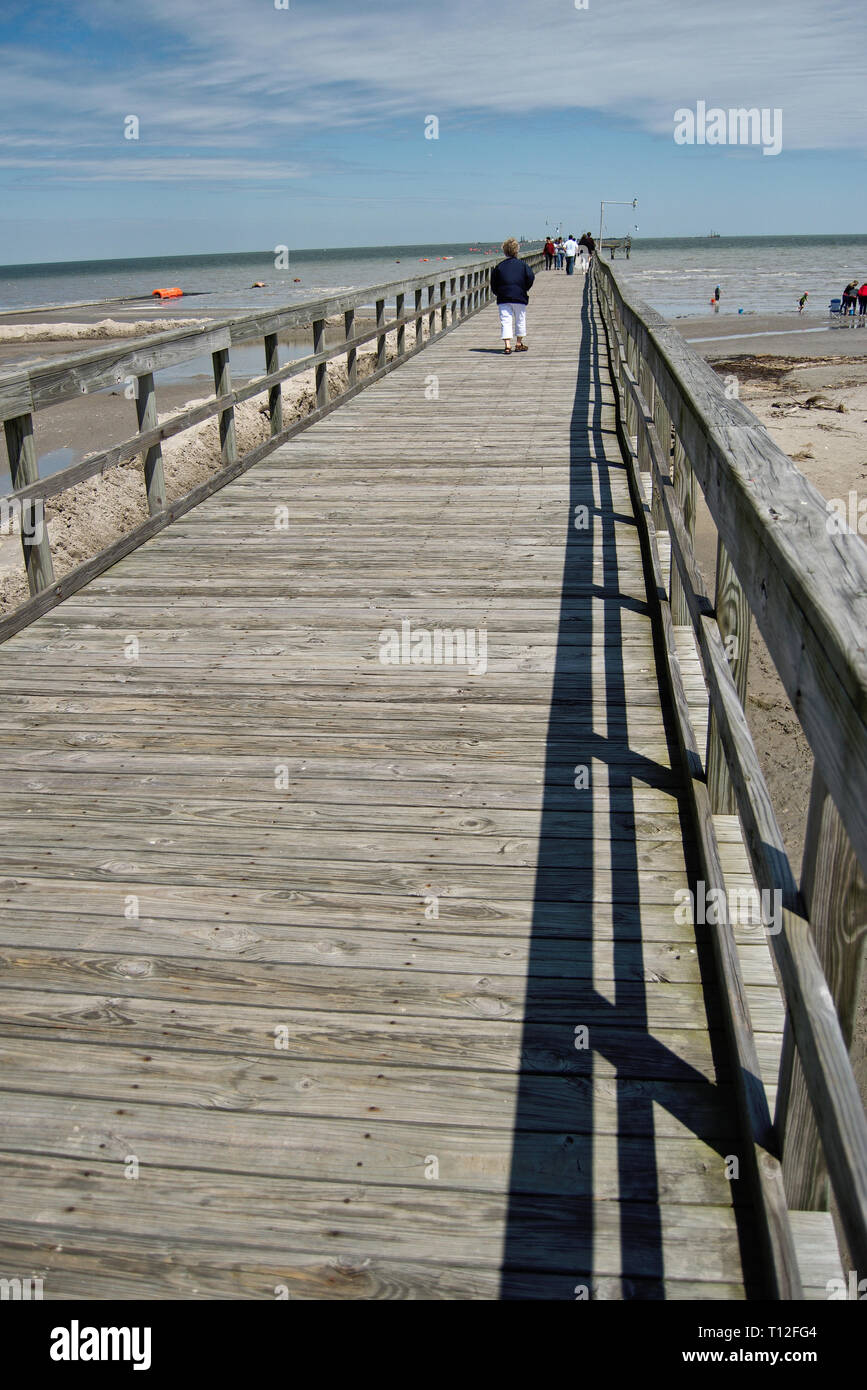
{"x":513,"y":320}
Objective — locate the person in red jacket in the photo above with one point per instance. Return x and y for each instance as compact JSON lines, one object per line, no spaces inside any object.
{"x":510,"y":282}
{"x":549,"y":254}
{"x":862,"y":301}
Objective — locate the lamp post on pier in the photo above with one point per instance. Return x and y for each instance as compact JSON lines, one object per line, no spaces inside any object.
{"x":614,"y":203}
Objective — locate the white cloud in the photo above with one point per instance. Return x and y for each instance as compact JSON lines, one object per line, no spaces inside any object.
{"x":157,"y":169}
{"x":245,"y":75}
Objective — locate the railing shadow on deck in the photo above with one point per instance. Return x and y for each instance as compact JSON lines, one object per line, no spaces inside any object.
{"x":554,"y":1235}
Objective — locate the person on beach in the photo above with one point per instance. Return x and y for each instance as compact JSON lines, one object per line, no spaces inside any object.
{"x":549,"y":254}
{"x":802,"y":301}
{"x":510,"y":281}
{"x":570,"y":251}
{"x":862,"y":304}
{"x":849,"y":298}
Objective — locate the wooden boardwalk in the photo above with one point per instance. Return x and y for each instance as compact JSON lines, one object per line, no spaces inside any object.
{"x":330,"y":977}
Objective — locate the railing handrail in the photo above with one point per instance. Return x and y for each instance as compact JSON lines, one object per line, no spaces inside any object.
{"x":824,"y":570}
{"x":670,"y":396}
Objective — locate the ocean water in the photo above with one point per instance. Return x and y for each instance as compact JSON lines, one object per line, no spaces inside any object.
{"x":224,"y":282}
{"x":759,"y":275}
{"x":675,"y":275}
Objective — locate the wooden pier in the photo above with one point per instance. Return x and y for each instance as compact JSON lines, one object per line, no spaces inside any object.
{"x":349,"y":813}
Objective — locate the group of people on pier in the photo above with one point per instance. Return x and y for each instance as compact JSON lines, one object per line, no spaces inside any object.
{"x":569,"y":253}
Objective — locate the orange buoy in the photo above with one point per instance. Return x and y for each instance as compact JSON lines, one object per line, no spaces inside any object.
{"x":173,"y":293}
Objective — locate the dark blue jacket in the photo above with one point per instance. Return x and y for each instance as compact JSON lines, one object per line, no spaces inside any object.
{"x":510,"y":281}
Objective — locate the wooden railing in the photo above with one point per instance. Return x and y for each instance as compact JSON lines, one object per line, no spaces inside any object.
{"x":448,"y":295}
{"x":781,"y":563}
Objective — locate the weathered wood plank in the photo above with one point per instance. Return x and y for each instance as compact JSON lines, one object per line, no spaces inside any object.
{"x":428,"y":904}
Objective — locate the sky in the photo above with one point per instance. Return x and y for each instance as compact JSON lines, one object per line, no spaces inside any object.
{"x":305,"y":126}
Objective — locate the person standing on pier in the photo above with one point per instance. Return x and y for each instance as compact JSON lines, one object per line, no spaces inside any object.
{"x":549,"y":254}
{"x":511,"y":281}
{"x":570,"y":249}
{"x":558,"y":254}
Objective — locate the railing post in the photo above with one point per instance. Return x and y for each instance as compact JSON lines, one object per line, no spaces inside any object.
{"x":684,"y":488}
{"x":23,"y":470}
{"x":631,"y":407}
{"x":146,"y":413}
{"x":275,"y":395}
{"x":351,"y":353}
{"x":645,"y":467}
{"x":835,"y":898}
{"x":419,"y":331}
{"x":223,"y":387}
{"x":401,"y":332}
{"x":431,"y":318}
{"x":380,"y":342}
{"x":322,"y":367}
{"x":443,"y":306}
{"x":733,"y":620}
{"x":462,"y":308}
{"x":662,"y":420}
{"x":646,"y":383}
{"x":453,"y":305}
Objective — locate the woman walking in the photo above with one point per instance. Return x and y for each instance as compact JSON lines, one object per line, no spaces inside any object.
{"x":549,"y":254}
{"x":510,"y":282}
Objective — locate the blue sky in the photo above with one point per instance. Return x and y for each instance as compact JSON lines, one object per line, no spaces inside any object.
{"x":261,"y":126}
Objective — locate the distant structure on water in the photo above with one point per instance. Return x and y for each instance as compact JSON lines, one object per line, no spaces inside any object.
{"x":617,"y":243}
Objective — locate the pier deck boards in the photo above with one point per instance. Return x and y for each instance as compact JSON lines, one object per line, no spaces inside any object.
{"x":309,"y":936}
